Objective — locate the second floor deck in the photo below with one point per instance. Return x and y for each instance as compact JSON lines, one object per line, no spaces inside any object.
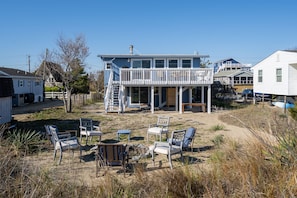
{"x":165,"y":77}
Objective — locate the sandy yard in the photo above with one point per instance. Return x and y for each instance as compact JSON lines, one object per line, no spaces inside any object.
{"x":84,"y":171}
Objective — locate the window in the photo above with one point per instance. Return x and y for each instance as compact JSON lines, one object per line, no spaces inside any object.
{"x":139,"y":95}
{"x":108,"y":66}
{"x":21,"y":83}
{"x":279,"y":75}
{"x":173,"y":63}
{"x":37,"y":83}
{"x":186,"y":63}
{"x":260,"y":75}
{"x":141,"y":64}
{"x":159,"y":63}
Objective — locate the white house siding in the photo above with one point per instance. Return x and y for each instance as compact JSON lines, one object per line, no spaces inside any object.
{"x":293,"y":79}
{"x":5,"y":109}
{"x":279,"y":59}
{"x":30,"y":85}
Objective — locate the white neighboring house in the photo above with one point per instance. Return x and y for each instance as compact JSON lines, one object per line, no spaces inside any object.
{"x":277,"y":74}
{"x":6,"y":93}
{"x":28,"y":87}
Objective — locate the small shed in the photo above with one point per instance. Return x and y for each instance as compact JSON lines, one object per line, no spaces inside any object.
{"x":6,"y":93}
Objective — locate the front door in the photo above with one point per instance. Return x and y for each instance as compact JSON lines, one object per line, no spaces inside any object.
{"x":171,"y":97}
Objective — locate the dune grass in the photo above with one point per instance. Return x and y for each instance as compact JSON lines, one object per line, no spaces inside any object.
{"x":260,"y":168}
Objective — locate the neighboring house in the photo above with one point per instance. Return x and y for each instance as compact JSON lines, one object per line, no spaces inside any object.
{"x":235,"y":79}
{"x":230,"y":64}
{"x":6,"y":93}
{"x":157,"y":81}
{"x":277,"y":74}
{"x":28,"y":87}
{"x":51,"y":73}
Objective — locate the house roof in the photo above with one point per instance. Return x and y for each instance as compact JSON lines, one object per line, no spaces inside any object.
{"x":50,"y":68}
{"x":15,"y":72}
{"x":102,"y":56}
{"x":293,"y":51}
{"x":227,"y":59}
{"x":237,"y":73}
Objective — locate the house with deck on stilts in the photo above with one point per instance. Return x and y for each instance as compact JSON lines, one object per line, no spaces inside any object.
{"x":156,"y":81}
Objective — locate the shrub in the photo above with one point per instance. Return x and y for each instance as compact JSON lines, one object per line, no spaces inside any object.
{"x":24,"y":141}
{"x":217,"y":127}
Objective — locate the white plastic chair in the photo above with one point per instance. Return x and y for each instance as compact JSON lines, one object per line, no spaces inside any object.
{"x":169,"y":148}
{"x":161,"y":127}
{"x":88,"y":129}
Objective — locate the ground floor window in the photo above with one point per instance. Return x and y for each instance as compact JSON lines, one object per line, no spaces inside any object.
{"x":139,"y":95}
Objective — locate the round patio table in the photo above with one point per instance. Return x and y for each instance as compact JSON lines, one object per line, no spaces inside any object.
{"x":124,"y":132}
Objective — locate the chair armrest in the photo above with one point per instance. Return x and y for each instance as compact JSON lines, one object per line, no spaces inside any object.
{"x":64,"y":135}
{"x":69,"y":138}
{"x":83,"y":128}
{"x":96,"y":128}
{"x":158,"y":143}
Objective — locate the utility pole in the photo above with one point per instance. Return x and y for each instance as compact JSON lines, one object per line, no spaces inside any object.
{"x":44,"y":64}
{"x":29,"y":62}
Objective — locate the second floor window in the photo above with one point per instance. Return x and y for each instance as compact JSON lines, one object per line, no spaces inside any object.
{"x":186,"y":63}
{"x":21,"y":83}
{"x":141,"y":64}
{"x":108,"y":66}
{"x":260,"y":75}
{"x":173,"y":63}
{"x":279,"y":75}
{"x":159,"y":63}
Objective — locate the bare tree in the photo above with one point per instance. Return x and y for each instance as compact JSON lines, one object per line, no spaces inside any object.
{"x":71,"y":54}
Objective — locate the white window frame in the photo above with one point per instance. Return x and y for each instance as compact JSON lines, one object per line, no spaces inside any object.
{"x":260,"y":76}
{"x":164,"y":66}
{"x":141,"y":63}
{"x":188,"y":59}
{"x":108,"y":65}
{"x":278,"y":74}
{"x":21,"y":83}
{"x":171,"y":59}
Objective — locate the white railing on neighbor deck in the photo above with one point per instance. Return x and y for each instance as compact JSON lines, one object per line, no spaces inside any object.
{"x":201,"y":76}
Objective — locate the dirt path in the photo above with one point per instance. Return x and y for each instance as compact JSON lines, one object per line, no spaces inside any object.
{"x":85,"y":171}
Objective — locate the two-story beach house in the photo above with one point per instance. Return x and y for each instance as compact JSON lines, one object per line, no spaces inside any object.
{"x":155,"y":81}
{"x":232,"y":74}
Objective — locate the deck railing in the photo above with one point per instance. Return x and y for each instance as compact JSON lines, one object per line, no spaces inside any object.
{"x":201,"y":76}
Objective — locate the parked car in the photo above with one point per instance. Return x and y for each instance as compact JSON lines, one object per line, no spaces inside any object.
{"x":247,"y":93}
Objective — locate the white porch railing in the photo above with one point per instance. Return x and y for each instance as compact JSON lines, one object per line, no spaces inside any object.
{"x":201,"y":76}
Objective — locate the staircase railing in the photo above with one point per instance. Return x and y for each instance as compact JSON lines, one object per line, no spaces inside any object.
{"x":108,"y":92}
{"x":114,"y":76}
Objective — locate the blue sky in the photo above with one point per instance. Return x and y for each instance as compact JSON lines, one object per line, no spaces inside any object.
{"x":246,"y":30}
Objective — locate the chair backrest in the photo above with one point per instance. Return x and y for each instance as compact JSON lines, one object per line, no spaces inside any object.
{"x":163,"y":121}
{"x":112,"y":154}
{"x":86,"y":122}
{"x":52,"y":131}
{"x":189,"y":137}
{"x":177,"y":137}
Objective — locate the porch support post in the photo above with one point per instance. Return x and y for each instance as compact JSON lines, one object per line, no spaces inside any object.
{"x":202,"y":94}
{"x":209,"y":99}
{"x":190,"y":94}
{"x":160,"y":96}
{"x":180,"y":99}
{"x":176,"y":98}
{"x":152,"y":100}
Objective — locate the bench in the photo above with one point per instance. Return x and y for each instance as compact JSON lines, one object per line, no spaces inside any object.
{"x":203,"y":105}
